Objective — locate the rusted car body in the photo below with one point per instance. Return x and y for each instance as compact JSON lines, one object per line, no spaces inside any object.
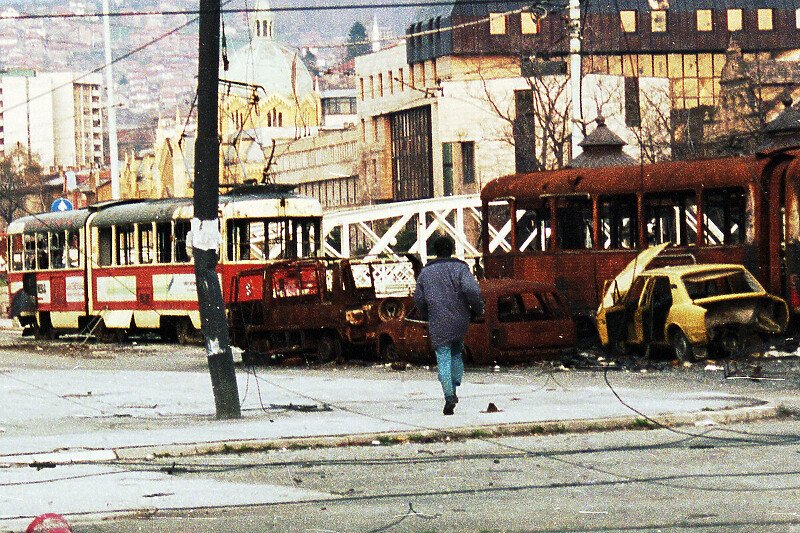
{"x":523,"y":321}
{"x":313,"y":307}
{"x":694,"y":309}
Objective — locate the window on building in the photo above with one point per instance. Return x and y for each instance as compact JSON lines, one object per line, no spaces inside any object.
{"x":704,"y":20}
{"x":658,"y":21}
{"x":361,"y":83}
{"x":724,"y":216}
{"x":765,"y":19}
{"x":400,"y":80}
{"x":380,"y":85}
{"x":497,"y":23}
{"x":375,"y":136}
{"x":447,"y":168}
{"x":390,"y":79}
{"x":734,"y":20}
{"x":468,"y":162}
{"x":628,"y":21}
{"x":372,"y":87}
{"x":796,"y":21}
{"x":529,"y":23}
{"x":619,"y":224}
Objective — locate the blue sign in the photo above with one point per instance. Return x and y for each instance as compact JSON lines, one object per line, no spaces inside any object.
{"x":61,"y":204}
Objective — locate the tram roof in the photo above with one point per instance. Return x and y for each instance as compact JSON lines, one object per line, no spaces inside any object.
{"x":57,"y":221}
{"x":653,"y":177}
{"x":140,"y":212}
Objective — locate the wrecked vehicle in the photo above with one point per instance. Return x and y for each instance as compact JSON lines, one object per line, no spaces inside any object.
{"x":315,"y":307}
{"x":523,"y":321}
{"x":695,"y":310}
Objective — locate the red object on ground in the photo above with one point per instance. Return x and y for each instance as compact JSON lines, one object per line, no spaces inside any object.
{"x":49,"y":523}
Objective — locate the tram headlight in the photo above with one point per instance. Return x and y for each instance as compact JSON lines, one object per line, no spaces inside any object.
{"x":355,"y":317}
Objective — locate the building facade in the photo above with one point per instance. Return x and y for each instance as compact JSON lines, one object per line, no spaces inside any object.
{"x":58,"y":117}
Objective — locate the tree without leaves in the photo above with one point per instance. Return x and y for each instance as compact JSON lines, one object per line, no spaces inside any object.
{"x":357,"y":44}
{"x":22,"y":184}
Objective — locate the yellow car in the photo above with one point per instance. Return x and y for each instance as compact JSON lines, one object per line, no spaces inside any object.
{"x":694,"y":309}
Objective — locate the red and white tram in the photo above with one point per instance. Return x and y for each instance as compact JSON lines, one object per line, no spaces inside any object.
{"x":125,"y":265}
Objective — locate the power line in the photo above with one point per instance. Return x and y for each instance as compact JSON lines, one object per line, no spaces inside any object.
{"x":284,"y":9}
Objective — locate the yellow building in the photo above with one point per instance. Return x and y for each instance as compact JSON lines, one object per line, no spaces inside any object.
{"x":267,"y":94}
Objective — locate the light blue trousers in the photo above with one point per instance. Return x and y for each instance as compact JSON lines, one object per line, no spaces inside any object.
{"x":451,"y":367}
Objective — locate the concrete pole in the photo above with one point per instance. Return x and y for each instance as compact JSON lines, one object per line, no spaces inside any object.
{"x":113,"y":150}
{"x":575,"y":73}
{"x":205,"y":224}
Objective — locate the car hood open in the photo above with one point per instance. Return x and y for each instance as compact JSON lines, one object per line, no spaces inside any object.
{"x":623,"y":281}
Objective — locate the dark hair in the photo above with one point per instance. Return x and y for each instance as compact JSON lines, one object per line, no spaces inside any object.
{"x":444,"y":246}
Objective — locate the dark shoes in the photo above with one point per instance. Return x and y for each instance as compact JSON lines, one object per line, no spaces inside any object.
{"x":449,"y":407}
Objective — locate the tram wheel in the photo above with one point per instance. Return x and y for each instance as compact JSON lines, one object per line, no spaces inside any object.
{"x":185,"y":332}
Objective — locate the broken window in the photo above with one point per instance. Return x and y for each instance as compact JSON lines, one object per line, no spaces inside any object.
{"x":724,"y":216}
{"x":57,"y":250}
{"x":533,"y":228}
{"x":499,"y":227}
{"x":574,"y":223}
{"x":521,"y":307}
{"x":30,"y":251}
{"x":671,"y":217}
{"x":42,"y":251}
{"x":619,"y":224}
{"x":16,"y":252}
{"x":73,"y":249}
{"x":708,"y":284}
{"x":529,"y":23}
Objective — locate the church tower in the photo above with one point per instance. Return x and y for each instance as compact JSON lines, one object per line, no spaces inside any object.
{"x":263,"y":25}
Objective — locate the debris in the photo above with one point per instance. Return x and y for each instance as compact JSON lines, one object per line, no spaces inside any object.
{"x":687,"y":364}
{"x":398,"y":365}
{"x":497,"y":368}
{"x":376,"y":443}
{"x":713,"y":368}
{"x":492,"y":408}
{"x":705,"y":423}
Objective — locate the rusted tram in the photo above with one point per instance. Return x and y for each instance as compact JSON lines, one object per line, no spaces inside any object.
{"x":578,"y":227}
{"x":126,"y":265}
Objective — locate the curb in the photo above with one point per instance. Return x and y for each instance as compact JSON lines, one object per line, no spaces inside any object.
{"x":730,"y":416}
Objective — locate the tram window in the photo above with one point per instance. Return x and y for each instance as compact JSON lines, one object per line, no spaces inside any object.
{"x":57,"y":250}
{"x":182,"y":228}
{"x":276,"y":239}
{"x":125,"y":245}
{"x":671,"y":217}
{"x":164,"y":242}
{"x":533,"y":228}
{"x":73,"y":249}
{"x":42,"y":251}
{"x":724,"y":216}
{"x":499,"y":222}
{"x":245,"y":240}
{"x":146,"y":244}
{"x":30,"y":251}
{"x":618,"y":222}
{"x":104,"y":244}
{"x":574,"y":218}
{"x":16,"y":252}
{"x":308,"y":231}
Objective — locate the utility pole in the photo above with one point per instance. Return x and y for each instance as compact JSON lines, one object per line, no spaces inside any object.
{"x":205,"y":224}
{"x":113,"y":150}
{"x":575,"y":72}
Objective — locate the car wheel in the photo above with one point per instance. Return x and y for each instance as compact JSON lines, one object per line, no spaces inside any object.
{"x":684,"y":351}
{"x":329,"y":348}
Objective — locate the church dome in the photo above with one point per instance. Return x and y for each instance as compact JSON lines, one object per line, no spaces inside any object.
{"x":265,"y":62}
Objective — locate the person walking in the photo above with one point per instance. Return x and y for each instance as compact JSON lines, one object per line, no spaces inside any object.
{"x":448,"y":295}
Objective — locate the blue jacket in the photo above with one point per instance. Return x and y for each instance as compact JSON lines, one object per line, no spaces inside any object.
{"x":447,"y":294}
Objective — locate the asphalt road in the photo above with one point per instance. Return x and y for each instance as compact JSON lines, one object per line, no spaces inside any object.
{"x":727,"y":478}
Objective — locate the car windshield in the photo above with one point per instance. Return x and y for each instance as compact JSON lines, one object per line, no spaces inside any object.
{"x":720,"y":283}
